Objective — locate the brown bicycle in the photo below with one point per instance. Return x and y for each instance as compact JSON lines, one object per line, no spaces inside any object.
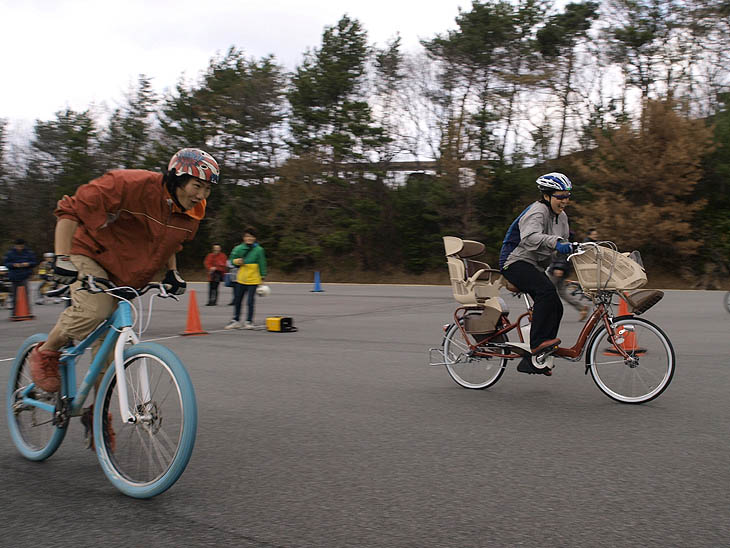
{"x":630,"y":359}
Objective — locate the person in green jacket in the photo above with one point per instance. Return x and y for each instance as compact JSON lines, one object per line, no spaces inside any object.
{"x":250,"y":259}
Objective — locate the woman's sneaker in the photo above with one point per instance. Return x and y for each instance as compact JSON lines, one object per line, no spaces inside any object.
{"x":234,"y":325}
{"x":248,"y":325}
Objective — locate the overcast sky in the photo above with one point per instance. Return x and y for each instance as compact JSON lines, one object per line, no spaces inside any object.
{"x":75,"y":53}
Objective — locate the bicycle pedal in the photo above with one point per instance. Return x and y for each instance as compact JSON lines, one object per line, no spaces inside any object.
{"x":543,"y":363}
{"x":546,"y":352}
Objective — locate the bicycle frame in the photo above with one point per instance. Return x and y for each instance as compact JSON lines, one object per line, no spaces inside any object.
{"x":571,"y":353}
{"x":118,"y":329}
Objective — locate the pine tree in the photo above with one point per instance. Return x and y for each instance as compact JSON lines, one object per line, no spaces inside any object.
{"x":559,"y":40}
{"x":63,"y":155}
{"x":128,"y":140}
{"x":713,"y":222}
{"x":334,"y":135}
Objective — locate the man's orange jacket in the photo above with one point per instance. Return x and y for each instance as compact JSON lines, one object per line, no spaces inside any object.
{"x":129,"y":224}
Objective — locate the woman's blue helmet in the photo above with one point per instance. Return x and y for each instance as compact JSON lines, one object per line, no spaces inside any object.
{"x":553,"y":181}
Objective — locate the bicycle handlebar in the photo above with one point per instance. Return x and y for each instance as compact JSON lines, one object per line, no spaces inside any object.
{"x":92,"y":283}
{"x":580,"y":248}
{"x":60,"y":291}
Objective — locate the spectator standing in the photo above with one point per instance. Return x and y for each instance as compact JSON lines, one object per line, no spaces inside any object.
{"x":216,"y":264}
{"x":250,"y":259}
{"x":20,"y":261}
{"x":592,"y":235}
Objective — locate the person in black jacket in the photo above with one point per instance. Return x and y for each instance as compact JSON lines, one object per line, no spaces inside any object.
{"x":20,"y":261}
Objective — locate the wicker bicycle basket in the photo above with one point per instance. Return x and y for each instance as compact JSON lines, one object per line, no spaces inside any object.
{"x":604,"y":268}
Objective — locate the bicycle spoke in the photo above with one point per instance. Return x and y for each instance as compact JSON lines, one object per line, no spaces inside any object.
{"x":156,"y":443}
{"x":147,"y":451}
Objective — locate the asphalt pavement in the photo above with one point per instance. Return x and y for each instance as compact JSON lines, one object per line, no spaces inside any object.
{"x":341,"y":435}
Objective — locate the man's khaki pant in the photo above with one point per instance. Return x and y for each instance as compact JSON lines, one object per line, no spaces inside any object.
{"x":87,"y":309}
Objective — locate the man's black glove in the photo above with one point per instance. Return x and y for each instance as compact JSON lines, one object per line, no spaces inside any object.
{"x":174,"y":283}
{"x":64,"y":271}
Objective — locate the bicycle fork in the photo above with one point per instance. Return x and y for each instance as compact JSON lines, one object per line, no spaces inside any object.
{"x":143,"y":388}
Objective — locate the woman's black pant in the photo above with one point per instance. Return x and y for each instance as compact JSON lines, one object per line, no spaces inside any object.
{"x":547,"y":310}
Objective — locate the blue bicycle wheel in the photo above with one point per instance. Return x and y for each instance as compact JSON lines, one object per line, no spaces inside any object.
{"x":146,"y":457}
{"x":31,"y":427}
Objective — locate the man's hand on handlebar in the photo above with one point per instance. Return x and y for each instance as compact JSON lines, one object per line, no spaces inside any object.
{"x":174,"y":283}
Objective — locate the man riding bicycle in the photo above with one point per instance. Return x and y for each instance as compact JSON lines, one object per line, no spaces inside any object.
{"x":528,"y":248}
{"x":123,"y":226}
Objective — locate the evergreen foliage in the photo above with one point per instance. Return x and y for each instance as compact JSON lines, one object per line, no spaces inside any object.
{"x":628,"y":97}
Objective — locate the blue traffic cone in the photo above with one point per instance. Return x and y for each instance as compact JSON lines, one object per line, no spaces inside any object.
{"x":317,"y":285}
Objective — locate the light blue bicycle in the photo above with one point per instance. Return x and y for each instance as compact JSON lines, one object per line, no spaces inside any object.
{"x":145,"y":414}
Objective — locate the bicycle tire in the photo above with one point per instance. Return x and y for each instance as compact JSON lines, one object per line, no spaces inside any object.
{"x":30,"y":427}
{"x":726,"y":301}
{"x":475,"y":373}
{"x":645,"y":375}
{"x":147,"y":457}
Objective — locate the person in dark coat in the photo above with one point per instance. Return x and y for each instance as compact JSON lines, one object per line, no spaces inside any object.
{"x":20,"y":261}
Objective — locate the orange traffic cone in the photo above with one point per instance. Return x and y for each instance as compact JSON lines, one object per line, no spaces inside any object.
{"x":194,"y":327}
{"x":628,"y":335}
{"x":20,"y":307}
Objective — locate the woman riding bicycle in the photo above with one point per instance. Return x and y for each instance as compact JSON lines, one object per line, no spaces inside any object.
{"x":123,"y":226}
{"x":530,"y":244}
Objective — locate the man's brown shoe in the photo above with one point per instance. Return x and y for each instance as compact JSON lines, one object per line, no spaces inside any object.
{"x":44,"y":368}
{"x":87,"y":420}
{"x":545,"y":346}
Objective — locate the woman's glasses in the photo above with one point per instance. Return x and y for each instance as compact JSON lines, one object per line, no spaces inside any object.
{"x":562,"y":196}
